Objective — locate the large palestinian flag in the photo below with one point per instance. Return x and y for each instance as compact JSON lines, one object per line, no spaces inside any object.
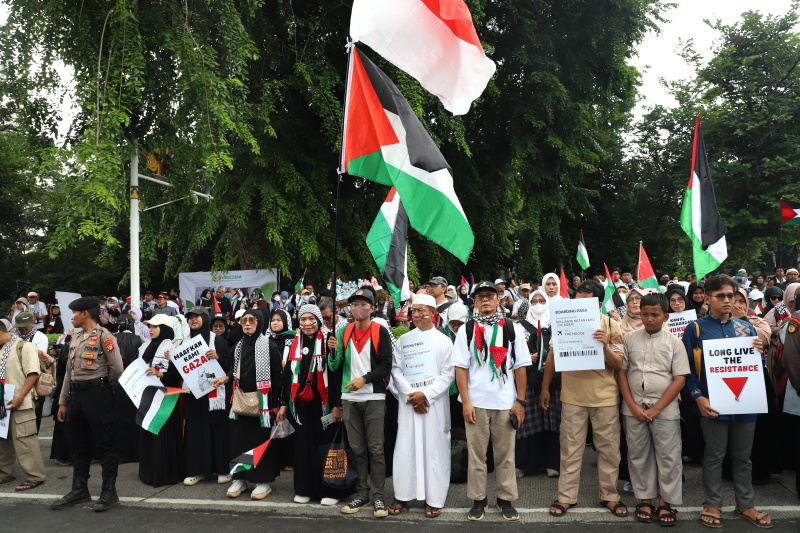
{"x":790,"y":213}
{"x":249,"y":459}
{"x":385,"y":142}
{"x":387,"y":240}
{"x":432,"y":40}
{"x":700,"y":218}
{"x":155,"y":407}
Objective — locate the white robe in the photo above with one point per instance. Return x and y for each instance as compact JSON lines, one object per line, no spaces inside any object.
{"x":422,"y":452}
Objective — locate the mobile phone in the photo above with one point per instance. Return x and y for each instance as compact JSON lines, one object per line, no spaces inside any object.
{"x":513,"y":420}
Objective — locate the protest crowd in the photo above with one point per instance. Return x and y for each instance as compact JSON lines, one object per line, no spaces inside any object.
{"x":373,"y":382}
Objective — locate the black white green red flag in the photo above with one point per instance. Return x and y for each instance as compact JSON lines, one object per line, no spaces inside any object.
{"x":583,"y":255}
{"x":432,"y":40}
{"x":644,"y":271}
{"x":700,"y":217}
{"x":249,"y":459}
{"x":156,"y":405}
{"x":387,"y":240}
{"x":385,"y":142}
{"x":790,"y":213}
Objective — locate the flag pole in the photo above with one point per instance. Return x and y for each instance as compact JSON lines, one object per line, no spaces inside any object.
{"x":340,"y":170}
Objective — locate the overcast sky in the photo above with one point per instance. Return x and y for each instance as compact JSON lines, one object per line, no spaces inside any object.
{"x":658,"y":57}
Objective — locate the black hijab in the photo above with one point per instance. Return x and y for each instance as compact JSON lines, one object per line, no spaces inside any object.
{"x":674,"y":288}
{"x":250,"y":340}
{"x":690,"y":296}
{"x":204,"y":331}
{"x":165,"y":334}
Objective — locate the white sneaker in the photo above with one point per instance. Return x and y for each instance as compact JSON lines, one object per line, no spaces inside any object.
{"x":193,"y":480}
{"x":628,"y":486}
{"x":552,"y":473}
{"x":329,"y":501}
{"x":301,"y":499}
{"x":261,"y":491}
{"x":237,"y":488}
{"x":223,"y":478}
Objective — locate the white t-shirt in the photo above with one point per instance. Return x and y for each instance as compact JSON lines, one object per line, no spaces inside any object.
{"x":40,"y":341}
{"x":483,"y":391}
{"x":39,"y":309}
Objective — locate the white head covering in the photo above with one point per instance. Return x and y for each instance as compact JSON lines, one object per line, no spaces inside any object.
{"x":425,"y":299}
{"x":558,"y":284}
{"x":542,"y":319}
{"x":457,"y":311}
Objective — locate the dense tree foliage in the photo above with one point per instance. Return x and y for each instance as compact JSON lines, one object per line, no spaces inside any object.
{"x":248,"y":96}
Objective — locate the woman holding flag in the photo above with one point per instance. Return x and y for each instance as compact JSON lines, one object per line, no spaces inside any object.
{"x":304,"y":398}
{"x":538,"y":445}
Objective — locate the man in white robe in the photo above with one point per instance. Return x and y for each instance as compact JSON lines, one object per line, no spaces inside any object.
{"x":422,"y":372}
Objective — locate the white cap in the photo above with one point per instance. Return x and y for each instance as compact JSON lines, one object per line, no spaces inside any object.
{"x":756,"y":294}
{"x":424,"y":299}
{"x":498,"y":280}
{"x":239,"y":314}
{"x":457,"y":311}
{"x":159,"y":320}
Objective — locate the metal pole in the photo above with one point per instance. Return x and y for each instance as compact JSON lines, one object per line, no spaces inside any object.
{"x":134,"y":194}
{"x":336,"y":233}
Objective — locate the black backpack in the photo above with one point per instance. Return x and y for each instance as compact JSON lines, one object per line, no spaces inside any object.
{"x":508,"y":333}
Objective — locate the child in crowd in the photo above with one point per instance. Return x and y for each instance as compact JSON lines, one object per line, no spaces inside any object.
{"x":653,"y":373}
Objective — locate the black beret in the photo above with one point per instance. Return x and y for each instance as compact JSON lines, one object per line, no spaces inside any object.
{"x":84,"y":304}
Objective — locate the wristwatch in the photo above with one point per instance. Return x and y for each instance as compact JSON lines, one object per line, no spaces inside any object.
{"x":522,"y":402}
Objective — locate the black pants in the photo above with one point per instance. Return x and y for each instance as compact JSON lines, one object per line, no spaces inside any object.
{"x":90,"y":422}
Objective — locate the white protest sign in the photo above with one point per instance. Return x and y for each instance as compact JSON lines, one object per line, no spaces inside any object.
{"x":419,"y":358}
{"x":134,"y":382}
{"x":8,"y":395}
{"x":735,"y":376}
{"x":573,"y":323}
{"x":678,"y":321}
{"x":197,"y":370}
{"x":64,"y":299}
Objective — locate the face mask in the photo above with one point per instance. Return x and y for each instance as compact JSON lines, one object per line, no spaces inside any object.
{"x":283,"y":300}
{"x":276,"y":298}
{"x":304,"y":298}
{"x":360,"y":313}
{"x":538,"y":309}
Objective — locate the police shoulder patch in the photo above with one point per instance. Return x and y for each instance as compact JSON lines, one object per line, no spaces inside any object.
{"x":794,"y":324}
{"x":109,"y":344}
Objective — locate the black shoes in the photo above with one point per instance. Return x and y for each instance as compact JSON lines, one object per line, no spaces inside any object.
{"x":108,"y":496}
{"x":478,"y":509}
{"x":78,"y":494}
{"x":507,"y":510}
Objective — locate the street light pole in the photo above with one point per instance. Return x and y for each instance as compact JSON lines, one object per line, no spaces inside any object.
{"x":135,"y":296}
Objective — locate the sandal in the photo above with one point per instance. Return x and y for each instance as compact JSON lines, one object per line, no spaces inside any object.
{"x":432,"y":512}
{"x":613,"y":510}
{"x":648,"y":516}
{"x":717,"y":517}
{"x":9,"y":479}
{"x":757,"y":521}
{"x":397,"y":507}
{"x":562,"y":510}
{"x":28,"y":485}
{"x":663,"y":519}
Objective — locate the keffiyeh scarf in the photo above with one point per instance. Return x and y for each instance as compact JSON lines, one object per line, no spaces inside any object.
{"x":6,"y":351}
{"x":318,"y":364}
{"x":263,"y":377}
{"x":498,"y":345}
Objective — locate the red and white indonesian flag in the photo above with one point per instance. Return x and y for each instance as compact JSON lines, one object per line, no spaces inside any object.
{"x":432,"y":40}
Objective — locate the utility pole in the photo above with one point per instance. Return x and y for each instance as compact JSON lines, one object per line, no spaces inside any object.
{"x":135,"y":296}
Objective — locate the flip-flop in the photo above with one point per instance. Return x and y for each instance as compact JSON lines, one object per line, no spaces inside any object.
{"x":648,"y":515}
{"x":660,"y":518}
{"x":561,"y":508}
{"x":613,"y":510}
{"x":757,"y":522}
{"x":397,"y":507}
{"x":28,"y":485}
{"x":432,"y":512}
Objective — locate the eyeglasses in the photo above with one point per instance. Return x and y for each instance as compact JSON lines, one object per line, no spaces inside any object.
{"x":675,"y":300}
{"x":248,"y":320}
{"x":360,"y":304}
{"x":634,"y":300}
{"x":723,"y":297}
{"x":484,"y":297}
{"x":776,"y":297}
{"x":308,"y":320}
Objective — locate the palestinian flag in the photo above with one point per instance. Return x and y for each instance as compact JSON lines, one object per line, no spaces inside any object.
{"x":299,"y":284}
{"x":608,"y":298}
{"x":387,"y":240}
{"x":432,"y":40}
{"x":238,"y":296}
{"x":249,"y":460}
{"x":564,"y":289}
{"x":700,"y":218}
{"x":385,"y":142}
{"x":790,"y":213}
{"x":644,"y":272}
{"x":155,"y":407}
{"x":583,"y":254}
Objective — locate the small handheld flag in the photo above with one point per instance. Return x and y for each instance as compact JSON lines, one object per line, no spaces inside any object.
{"x":582,"y":255}
{"x":608,"y":298}
{"x":564,"y":290}
{"x":299,"y":284}
{"x":250,"y":459}
{"x":644,"y":272}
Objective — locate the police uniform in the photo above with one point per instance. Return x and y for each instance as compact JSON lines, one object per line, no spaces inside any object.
{"x":93,"y":368}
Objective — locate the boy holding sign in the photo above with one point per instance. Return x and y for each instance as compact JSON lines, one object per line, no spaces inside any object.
{"x":656,"y":359}
{"x":733,"y":433}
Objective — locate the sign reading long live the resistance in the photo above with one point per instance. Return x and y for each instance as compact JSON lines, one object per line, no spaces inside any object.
{"x":735,"y":376}
{"x":574,"y":323}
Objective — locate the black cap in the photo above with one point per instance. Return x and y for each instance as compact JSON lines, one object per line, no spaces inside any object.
{"x":363,"y":294}
{"x":486,"y":285}
{"x":101,"y":297}
{"x":197,"y":310}
{"x":218,"y":316}
{"x":84,"y":304}
{"x":149,"y":292}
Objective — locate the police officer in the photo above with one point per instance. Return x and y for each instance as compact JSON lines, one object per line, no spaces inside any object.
{"x":87,"y":404}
